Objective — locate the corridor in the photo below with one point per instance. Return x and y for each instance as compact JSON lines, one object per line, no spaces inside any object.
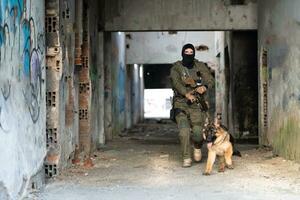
{"x":86,"y":91}
{"x":145,"y":164}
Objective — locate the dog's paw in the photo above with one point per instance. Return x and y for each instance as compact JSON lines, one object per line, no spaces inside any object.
{"x":206,"y":173}
{"x":221,"y":170}
{"x":230,"y":167}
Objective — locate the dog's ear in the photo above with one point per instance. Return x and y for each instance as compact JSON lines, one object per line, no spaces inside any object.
{"x":216,"y":123}
{"x":206,"y":122}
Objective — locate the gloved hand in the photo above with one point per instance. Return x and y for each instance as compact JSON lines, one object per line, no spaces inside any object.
{"x":201,"y":89}
{"x":190,"y":97}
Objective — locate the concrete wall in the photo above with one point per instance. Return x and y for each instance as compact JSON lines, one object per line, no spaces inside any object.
{"x":22,"y":96}
{"x":279,"y":30}
{"x":137,"y":15}
{"x":236,"y":79}
{"x":163,"y":47}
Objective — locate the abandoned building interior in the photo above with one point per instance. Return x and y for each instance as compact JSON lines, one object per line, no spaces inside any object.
{"x":85,"y":85}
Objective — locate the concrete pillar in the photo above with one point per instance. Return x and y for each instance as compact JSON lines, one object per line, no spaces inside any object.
{"x":118,"y":82}
{"x":107,"y":87}
{"x":78,"y":34}
{"x":85,"y":90}
{"x":68,"y":85}
{"x":54,"y":71}
{"x":141,"y":96}
{"x":135,"y":94}
{"x":128,"y":97}
{"x":77,"y":68}
{"x":221,"y":100}
{"x":101,"y":137}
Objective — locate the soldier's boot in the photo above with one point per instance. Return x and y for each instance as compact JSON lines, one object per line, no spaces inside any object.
{"x":197,"y":155}
{"x":187,"y":162}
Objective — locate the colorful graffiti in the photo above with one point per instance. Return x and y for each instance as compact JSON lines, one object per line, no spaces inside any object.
{"x":16,"y":23}
{"x":11,"y":13}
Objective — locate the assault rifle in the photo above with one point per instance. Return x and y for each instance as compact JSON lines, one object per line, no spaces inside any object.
{"x":200,"y":100}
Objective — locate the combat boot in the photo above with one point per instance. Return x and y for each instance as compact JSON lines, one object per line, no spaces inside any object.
{"x":197,"y":155}
{"x":187,"y":162}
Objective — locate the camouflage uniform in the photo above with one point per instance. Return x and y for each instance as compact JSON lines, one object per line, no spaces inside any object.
{"x":190,"y":119}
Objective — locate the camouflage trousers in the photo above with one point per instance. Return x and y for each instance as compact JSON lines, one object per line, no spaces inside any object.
{"x":190,"y":124}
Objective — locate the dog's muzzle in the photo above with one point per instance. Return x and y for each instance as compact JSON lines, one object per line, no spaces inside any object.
{"x":210,"y":133}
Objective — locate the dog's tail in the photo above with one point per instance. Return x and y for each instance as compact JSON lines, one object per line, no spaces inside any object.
{"x":236,"y":153}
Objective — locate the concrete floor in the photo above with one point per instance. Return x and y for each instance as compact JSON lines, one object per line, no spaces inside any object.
{"x":146,"y":164}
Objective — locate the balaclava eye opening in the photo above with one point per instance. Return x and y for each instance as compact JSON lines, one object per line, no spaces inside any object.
{"x":188,"y":60}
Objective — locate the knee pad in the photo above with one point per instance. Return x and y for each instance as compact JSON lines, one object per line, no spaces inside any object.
{"x":197,"y":134}
{"x":184,"y":132}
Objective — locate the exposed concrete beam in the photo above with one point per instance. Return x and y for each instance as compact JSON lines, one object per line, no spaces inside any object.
{"x":138,"y":15}
{"x":162,"y":47}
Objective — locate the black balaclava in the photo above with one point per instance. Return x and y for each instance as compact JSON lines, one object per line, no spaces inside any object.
{"x":188,"y":60}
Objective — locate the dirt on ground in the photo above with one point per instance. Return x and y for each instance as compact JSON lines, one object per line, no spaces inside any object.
{"x":145,"y":163}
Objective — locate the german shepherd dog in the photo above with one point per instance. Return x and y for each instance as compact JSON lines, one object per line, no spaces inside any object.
{"x":219,"y":143}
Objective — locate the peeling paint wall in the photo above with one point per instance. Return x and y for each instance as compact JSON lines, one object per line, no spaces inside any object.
{"x":22,"y":95}
{"x":279,"y":30}
{"x":137,"y":15}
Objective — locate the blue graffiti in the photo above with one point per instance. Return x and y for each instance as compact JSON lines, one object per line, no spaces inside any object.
{"x":1,"y":36}
{"x":26,"y":47}
{"x":16,"y":23}
{"x":121,"y":87}
{"x":14,"y":8}
{"x":11,"y":12}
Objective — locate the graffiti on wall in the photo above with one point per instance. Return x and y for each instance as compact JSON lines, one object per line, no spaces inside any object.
{"x":1,"y":122}
{"x":18,"y":35}
{"x":121,"y":86}
{"x":5,"y":90}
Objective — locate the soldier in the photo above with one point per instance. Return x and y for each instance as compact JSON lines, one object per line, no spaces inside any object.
{"x":190,"y":79}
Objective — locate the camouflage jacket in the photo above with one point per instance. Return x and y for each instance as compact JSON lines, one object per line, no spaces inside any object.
{"x":181,"y":76}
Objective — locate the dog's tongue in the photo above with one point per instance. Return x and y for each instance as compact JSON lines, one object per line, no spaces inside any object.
{"x":209,"y":145}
